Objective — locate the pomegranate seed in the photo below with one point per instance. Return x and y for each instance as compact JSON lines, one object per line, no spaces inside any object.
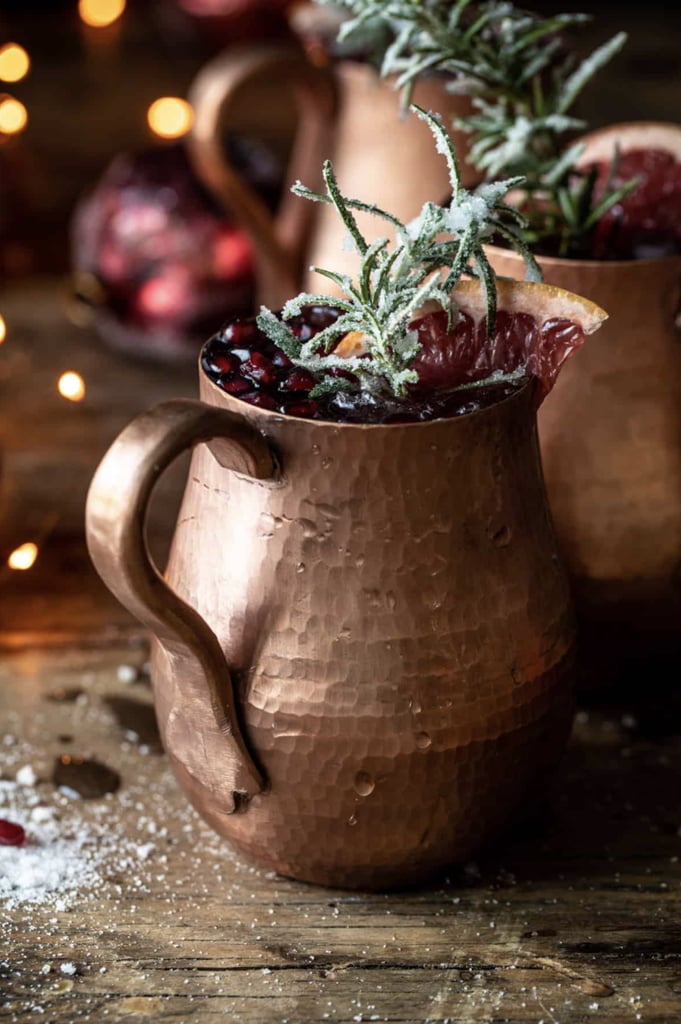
{"x":302,"y":331}
{"x":279,"y":358}
{"x":298,"y":380}
{"x":223,"y":364}
{"x":236,"y":386}
{"x":259,"y":368}
{"x":259,"y":398}
{"x":11,"y":834}
{"x":321,"y":316}
{"x":307,"y":408}
{"x":241,"y":354}
{"x":238,"y":333}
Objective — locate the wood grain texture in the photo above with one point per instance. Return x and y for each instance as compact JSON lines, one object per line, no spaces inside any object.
{"x":572,"y":918}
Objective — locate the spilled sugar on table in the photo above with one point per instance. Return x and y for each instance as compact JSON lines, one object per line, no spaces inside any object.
{"x":126,"y":906}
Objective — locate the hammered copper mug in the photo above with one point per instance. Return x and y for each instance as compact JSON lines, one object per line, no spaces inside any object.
{"x":611,"y":449}
{"x":363,"y":645}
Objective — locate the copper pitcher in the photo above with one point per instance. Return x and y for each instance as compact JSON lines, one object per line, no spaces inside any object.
{"x":611,"y":451}
{"x":363,"y":647}
{"x":347,"y":114}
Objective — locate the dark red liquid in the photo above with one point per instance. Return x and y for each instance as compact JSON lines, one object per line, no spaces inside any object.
{"x":646,"y":224}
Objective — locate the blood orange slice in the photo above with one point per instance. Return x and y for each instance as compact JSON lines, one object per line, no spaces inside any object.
{"x":538,"y":327}
{"x":647,"y":222}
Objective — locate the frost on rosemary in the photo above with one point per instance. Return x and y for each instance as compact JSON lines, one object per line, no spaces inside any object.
{"x":523,"y":79}
{"x":429,"y":256}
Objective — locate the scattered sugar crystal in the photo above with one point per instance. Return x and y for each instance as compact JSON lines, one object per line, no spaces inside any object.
{"x":68,"y":968}
{"x":26,"y":776}
{"x":41,"y":814}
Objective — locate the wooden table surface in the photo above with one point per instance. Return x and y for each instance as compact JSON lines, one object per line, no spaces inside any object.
{"x":573,"y":917}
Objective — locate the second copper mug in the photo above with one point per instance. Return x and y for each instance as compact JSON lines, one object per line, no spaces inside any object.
{"x":363,"y":643}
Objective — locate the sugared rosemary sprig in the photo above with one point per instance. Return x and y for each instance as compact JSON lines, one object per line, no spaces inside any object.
{"x":429,"y":256}
{"x":523,"y":81}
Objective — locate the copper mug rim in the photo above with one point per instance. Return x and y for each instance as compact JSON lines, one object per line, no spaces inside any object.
{"x":604,"y":266}
{"x":236,"y":405}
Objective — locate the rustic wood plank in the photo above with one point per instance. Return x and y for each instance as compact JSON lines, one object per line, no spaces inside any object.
{"x":573,"y":916}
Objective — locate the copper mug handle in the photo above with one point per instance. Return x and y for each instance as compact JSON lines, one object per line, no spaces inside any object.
{"x":280,"y":242}
{"x":115,"y":526}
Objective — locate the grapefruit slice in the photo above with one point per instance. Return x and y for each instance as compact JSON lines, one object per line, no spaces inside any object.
{"x":538,"y":327}
{"x":647,"y":222}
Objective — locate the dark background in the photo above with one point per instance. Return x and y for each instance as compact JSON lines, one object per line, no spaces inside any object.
{"x":88,"y":92}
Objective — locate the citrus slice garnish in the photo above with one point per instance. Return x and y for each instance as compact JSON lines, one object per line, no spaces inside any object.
{"x":538,"y":327}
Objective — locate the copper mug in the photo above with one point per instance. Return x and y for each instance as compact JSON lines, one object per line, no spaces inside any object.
{"x":363,"y":646}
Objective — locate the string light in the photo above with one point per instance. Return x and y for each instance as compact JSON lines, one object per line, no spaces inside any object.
{"x":13,"y":116}
{"x":170,"y":117}
{"x":14,"y":63}
{"x":23,"y":557}
{"x":72,"y":386}
{"x":3,"y":329}
{"x":100,"y":13}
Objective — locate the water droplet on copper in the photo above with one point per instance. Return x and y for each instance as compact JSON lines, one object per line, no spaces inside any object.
{"x":422,"y":740}
{"x":315,"y":449}
{"x":359,"y":562}
{"x":300,"y":567}
{"x":326,"y":463}
{"x":364,"y":784}
{"x":391,"y":600}
{"x":352,"y":820}
{"x":309,"y":528}
{"x":267,"y":525}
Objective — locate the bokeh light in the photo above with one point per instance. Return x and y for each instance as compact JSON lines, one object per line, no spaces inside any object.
{"x":23,"y":557}
{"x":170,"y":117}
{"x":99,"y":13}
{"x":14,"y":62}
{"x":3,"y":329}
{"x":13,"y":116}
{"x":72,"y":386}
